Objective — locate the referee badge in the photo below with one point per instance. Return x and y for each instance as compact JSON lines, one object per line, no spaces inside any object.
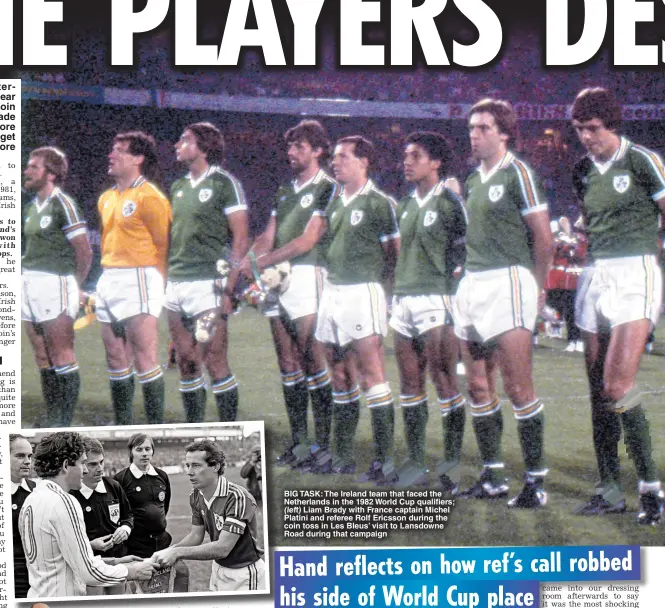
{"x":45,"y":222}
{"x":219,"y":521}
{"x":306,"y":200}
{"x":14,"y":506}
{"x":205,"y":194}
{"x":114,"y":513}
{"x":496,"y":192}
{"x":161,"y":496}
{"x":138,"y":488}
{"x":430,"y":218}
{"x":88,"y":509}
{"x":356,"y":217}
{"x":621,"y":183}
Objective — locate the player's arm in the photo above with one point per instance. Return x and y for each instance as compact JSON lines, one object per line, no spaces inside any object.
{"x":390,"y":243}
{"x":193,"y":539}
{"x":239,"y":227}
{"x":156,"y":214}
{"x":313,"y":233}
{"x":83,"y":257}
{"x":217,"y":549}
{"x":266,"y":240}
{"x":541,"y":244}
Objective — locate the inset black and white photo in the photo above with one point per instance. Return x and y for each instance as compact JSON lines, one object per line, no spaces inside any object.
{"x":139,"y":510}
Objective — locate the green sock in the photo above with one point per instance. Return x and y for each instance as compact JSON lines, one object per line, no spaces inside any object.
{"x":122,"y":395}
{"x":415,"y":426}
{"x":153,"y":399}
{"x":226,"y":397}
{"x":345,"y":418}
{"x":606,"y":434}
{"x":531,"y":432}
{"x":638,"y":442}
{"x":322,"y":408}
{"x":453,"y":434}
{"x":383,"y":431}
{"x":488,"y":429}
{"x":69,"y":380}
{"x":51,"y":394}
{"x":296,"y":399}
{"x":194,"y":401}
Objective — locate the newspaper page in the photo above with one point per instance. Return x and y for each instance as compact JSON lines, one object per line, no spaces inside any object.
{"x":385,"y":470}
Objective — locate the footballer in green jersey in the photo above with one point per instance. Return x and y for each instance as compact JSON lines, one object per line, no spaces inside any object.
{"x":294,"y":233}
{"x":509,"y":250}
{"x":56,"y":262}
{"x":621,"y":189}
{"x":209,"y":219}
{"x":432,"y":226}
{"x":361,"y":255}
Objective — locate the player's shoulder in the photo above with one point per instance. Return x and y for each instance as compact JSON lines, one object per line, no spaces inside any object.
{"x":240,"y":496}
{"x":65,"y":199}
{"x":221,"y":177}
{"x":641,"y":155}
{"x":378,"y":196}
{"x":518,"y":167}
{"x":324,"y":182}
{"x":149,"y":190}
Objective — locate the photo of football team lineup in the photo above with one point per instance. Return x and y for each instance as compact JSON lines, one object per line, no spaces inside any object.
{"x":471,"y":303}
{"x":139,"y":510}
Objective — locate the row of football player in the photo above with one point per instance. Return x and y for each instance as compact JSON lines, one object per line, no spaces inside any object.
{"x":508,"y":252}
{"x":124,"y":521}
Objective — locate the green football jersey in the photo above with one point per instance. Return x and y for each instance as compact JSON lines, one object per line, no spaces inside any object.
{"x":358,"y":226}
{"x":47,"y":229}
{"x":618,"y":201}
{"x":432,"y":233}
{"x":200,"y":233}
{"x":496,"y":203}
{"x":296,"y":206}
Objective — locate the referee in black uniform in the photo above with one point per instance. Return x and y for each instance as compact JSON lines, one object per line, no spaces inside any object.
{"x":106,"y":511}
{"x":148,"y":490}
{"x":20,"y":456}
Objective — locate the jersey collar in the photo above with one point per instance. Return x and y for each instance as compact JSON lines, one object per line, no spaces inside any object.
{"x":435,"y":191}
{"x":23,"y":484}
{"x":364,"y":190}
{"x":502,"y":164}
{"x":196,"y":182}
{"x":99,"y":488}
{"x":221,"y":490}
{"x":315,"y":179}
{"x":137,"y":182}
{"x":138,"y":473}
{"x":624,"y":144}
{"x":55,"y":192}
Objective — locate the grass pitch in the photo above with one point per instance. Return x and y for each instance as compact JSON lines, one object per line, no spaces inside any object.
{"x":560,"y":382}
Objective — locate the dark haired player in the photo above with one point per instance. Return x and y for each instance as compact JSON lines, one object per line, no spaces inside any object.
{"x":135,"y":219}
{"x":20,"y":468}
{"x":508,"y":253}
{"x":432,"y":226}
{"x":148,"y":490}
{"x":227,"y":512}
{"x":61,"y":561}
{"x":621,"y":189}
{"x":294,"y":232}
{"x":55,"y":263}
{"x":209,"y":222}
{"x":361,"y":255}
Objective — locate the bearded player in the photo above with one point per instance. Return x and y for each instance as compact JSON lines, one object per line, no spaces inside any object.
{"x":621,"y":188}
{"x":293,"y":234}
{"x":432,"y":225}
{"x":209,"y":220}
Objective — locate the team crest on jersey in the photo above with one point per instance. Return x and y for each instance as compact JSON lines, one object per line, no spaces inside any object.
{"x":114,"y":513}
{"x":621,"y":183}
{"x":45,"y":222}
{"x":356,"y":217}
{"x":496,"y":192}
{"x":219,"y":521}
{"x":128,"y":208}
{"x":205,"y":194}
{"x":430,"y":218}
{"x":178,"y":194}
{"x":306,"y":201}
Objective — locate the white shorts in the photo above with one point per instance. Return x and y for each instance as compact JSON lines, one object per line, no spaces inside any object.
{"x":126,"y":292}
{"x":191,"y":298}
{"x":45,"y":296}
{"x":492,"y":302}
{"x":303,"y":296}
{"x":351,"y":312}
{"x":619,"y":290}
{"x":249,"y":578}
{"x":413,"y":316}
